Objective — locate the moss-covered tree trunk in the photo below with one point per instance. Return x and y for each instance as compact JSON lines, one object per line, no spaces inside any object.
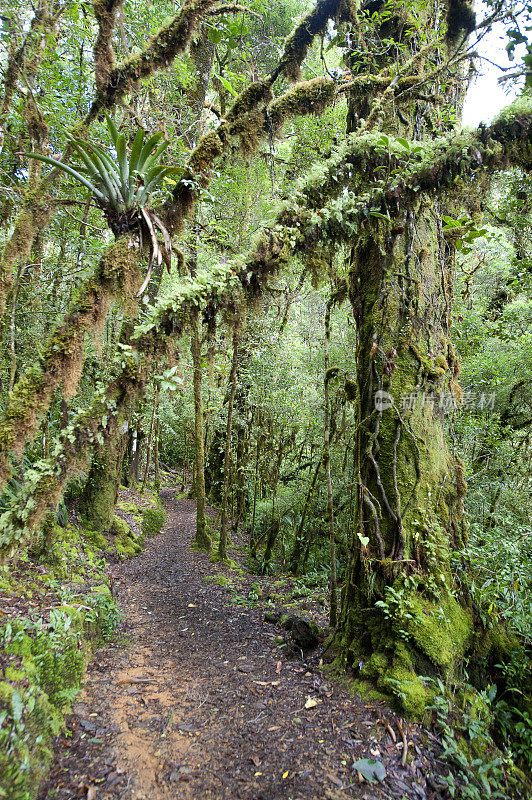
{"x":100,"y":492}
{"x":222,"y":548}
{"x":402,"y":614}
{"x":333,"y":604}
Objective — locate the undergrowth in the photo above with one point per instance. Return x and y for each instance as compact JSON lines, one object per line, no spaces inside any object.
{"x":63,"y":608}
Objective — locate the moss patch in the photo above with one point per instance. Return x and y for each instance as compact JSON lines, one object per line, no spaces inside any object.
{"x":153,"y":520}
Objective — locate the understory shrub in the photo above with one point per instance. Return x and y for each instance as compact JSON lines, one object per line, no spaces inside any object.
{"x":153,"y":520}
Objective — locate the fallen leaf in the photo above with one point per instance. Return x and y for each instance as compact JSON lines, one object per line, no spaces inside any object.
{"x":279,"y":667}
{"x":275,"y":728}
{"x":257,"y":774}
{"x":256,"y":760}
{"x":371,"y":770}
{"x":191,"y":605}
{"x":335,"y":780}
{"x":92,"y":793}
{"x":311,"y":703}
{"x":286,"y":774}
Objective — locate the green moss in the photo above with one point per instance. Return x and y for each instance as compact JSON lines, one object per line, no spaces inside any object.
{"x":119,"y":527}
{"x":375,"y":665}
{"x":35,"y":695}
{"x":442,"y":630}
{"x":223,"y":580}
{"x":153,"y":520}
{"x":95,"y":538}
{"x":126,"y":543}
{"x":521,"y":106}
{"x":408,"y":689}
{"x":6,"y":690}
{"x":14,"y":674}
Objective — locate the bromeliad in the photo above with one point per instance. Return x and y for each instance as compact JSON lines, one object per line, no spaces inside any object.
{"x":123,"y":188}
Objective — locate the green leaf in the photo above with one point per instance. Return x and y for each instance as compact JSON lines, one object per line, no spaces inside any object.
{"x":138,"y":141}
{"x":215,"y":35}
{"x":150,"y":161}
{"x":226,"y":85}
{"x":113,"y":130}
{"x":147,"y":150}
{"x":379,"y":215}
{"x":65,"y":167}
{"x":17,"y":706}
{"x":371,"y":769}
{"x":404,"y":143}
{"x":124,"y":166}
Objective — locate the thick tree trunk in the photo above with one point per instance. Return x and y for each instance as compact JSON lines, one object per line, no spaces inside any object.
{"x":100,"y":492}
{"x":401,"y":616}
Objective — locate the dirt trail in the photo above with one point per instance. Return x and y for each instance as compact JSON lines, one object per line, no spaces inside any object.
{"x":195,"y":702}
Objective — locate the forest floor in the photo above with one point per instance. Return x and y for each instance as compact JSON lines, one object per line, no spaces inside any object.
{"x":195,"y":700}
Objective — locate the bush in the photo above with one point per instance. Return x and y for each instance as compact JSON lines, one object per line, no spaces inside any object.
{"x":153,"y":520}
{"x":46,"y":660}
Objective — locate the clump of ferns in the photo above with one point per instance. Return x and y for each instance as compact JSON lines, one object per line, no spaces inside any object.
{"x":122,"y":187}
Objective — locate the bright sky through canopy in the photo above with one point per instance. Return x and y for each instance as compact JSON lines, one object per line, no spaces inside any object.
{"x":486,"y":96}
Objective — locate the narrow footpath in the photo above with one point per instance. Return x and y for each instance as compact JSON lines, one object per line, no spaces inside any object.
{"x":194,"y":701}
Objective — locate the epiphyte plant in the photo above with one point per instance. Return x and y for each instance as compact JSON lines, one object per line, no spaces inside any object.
{"x":123,"y":187}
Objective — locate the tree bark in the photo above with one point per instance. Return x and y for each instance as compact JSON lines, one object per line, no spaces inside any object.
{"x":333,"y":607}
{"x":222,"y":548}
{"x":402,"y":615}
{"x":202,"y":538}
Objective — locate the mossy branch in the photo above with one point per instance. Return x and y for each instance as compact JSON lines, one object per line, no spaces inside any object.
{"x":249,"y":124}
{"x":160,"y":51}
{"x":61,"y":361}
{"x":309,"y":219}
{"x":105,"y":12}
{"x":45,"y":482}
{"x":300,"y":40}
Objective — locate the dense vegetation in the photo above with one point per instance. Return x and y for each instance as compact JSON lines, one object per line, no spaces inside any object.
{"x":247,"y":248}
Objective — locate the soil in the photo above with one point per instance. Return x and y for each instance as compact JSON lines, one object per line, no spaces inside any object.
{"x":195,"y":700}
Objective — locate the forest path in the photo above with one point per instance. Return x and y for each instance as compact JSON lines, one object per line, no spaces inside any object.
{"x":196,"y":703}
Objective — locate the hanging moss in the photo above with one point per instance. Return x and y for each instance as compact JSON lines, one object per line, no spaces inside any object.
{"x":160,"y":51}
{"x":104,"y":59}
{"x":61,"y":362}
{"x":256,"y":94}
{"x":34,"y":216}
{"x":299,"y":41}
{"x":307,"y":97}
{"x":45,"y":483}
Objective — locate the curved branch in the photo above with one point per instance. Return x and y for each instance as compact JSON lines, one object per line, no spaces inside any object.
{"x":61,"y":362}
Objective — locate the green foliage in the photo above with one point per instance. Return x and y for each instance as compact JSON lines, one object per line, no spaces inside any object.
{"x":153,"y":520}
{"x":464,"y":722}
{"x":122,"y":185}
{"x":48,"y":657}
